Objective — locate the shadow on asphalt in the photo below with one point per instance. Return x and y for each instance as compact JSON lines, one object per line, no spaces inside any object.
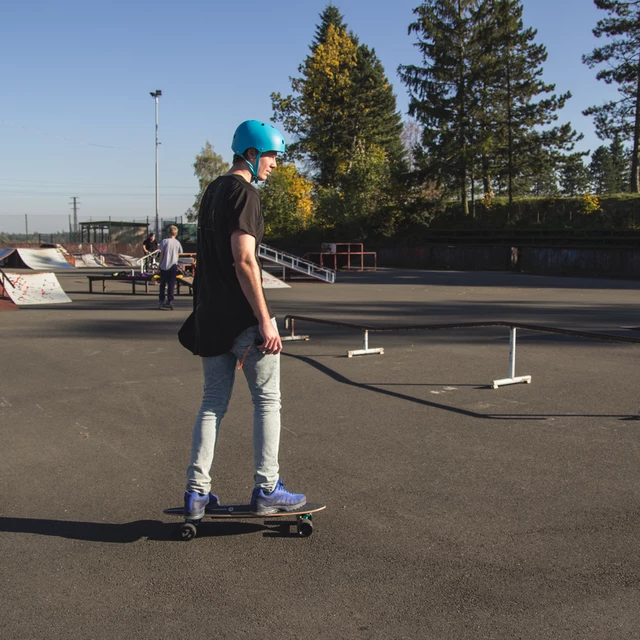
{"x":134,"y":531}
{"x":338,"y":377}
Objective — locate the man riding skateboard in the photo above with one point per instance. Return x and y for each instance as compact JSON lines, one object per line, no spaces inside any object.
{"x":232,"y":327}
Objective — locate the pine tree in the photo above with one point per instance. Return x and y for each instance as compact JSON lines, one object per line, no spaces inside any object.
{"x":342,"y":107}
{"x":342,"y":100}
{"x":376,"y":120}
{"x":620,"y":167}
{"x":574,"y":176}
{"x":330,"y":16}
{"x":480,"y":97}
{"x":621,"y":55}
{"x":441,"y":90}
{"x":321,"y":114}
{"x":522,"y":104}
{"x":609,"y":168}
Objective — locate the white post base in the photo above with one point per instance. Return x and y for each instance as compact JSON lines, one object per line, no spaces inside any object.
{"x":505,"y":381}
{"x":364,"y":352}
{"x":512,"y":379}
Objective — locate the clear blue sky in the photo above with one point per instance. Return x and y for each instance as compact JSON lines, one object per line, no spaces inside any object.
{"x":76,"y":117}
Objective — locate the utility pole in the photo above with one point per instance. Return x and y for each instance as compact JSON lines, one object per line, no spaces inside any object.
{"x":75,"y":204}
{"x":155,"y":95}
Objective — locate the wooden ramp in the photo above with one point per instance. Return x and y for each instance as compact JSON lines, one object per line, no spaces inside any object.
{"x":33,"y":288}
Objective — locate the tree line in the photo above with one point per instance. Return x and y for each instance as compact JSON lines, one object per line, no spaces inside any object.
{"x":483,"y":123}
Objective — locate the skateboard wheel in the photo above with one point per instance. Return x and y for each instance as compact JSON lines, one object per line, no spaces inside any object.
{"x":305,"y":527}
{"x":188,"y":531}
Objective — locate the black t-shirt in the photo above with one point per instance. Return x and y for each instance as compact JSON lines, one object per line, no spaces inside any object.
{"x":222,"y":312}
{"x":150,"y":245}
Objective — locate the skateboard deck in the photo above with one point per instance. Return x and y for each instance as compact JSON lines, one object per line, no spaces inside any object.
{"x":303,"y":516}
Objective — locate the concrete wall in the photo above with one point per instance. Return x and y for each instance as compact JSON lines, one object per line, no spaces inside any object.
{"x":438,"y":256}
{"x":579,"y":261}
{"x":614,"y":263}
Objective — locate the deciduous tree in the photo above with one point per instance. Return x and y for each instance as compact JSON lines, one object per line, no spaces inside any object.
{"x":207,"y":167}
{"x":287,"y":202}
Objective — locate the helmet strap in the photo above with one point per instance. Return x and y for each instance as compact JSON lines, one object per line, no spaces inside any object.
{"x":252,"y":169}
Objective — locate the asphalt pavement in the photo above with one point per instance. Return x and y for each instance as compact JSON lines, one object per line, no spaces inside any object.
{"x":454,"y":510}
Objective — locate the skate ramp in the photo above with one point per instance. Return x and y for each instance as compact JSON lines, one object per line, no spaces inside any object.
{"x":36,"y":259}
{"x":34,"y":288}
{"x":43,"y":259}
{"x":118,"y":260}
{"x":269,"y":281}
{"x":5,"y":253}
{"x":87,"y":260}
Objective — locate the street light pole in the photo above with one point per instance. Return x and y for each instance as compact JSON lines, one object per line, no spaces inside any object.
{"x":156,"y":94}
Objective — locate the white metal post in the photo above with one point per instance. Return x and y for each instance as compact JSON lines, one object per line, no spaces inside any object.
{"x":512,"y":353}
{"x":512,"y":379}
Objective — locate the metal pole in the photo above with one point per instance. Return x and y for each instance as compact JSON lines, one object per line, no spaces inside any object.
{"x":157,"y":218}
{"x":156,"y":94}
{"x":512,"y":353}
{"x":26,"y":229}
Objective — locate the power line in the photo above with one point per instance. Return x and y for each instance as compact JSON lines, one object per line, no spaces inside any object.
{"x":48,"y":183}
{"x":91,"y":194}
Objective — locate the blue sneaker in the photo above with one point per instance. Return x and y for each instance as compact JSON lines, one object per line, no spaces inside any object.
{"x":212,"y":504}
{"x":279,"y":499}
{"x":196,"y":504}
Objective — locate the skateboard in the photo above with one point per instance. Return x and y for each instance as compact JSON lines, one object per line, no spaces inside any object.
{"x":304,"y":523}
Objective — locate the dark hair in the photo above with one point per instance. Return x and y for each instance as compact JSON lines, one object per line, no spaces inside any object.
{"x":239,"y":158}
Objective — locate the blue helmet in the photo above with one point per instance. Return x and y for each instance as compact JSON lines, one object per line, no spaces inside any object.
{"x":253,"y":134}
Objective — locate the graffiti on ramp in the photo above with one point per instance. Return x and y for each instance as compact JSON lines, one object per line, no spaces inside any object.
{"x":34,"y":288}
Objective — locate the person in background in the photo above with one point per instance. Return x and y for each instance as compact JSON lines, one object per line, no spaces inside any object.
{"x":149,"y":246}
{"x":170,"y":249}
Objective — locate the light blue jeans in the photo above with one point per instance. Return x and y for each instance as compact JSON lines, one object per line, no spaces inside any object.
{"x":263,"y":377}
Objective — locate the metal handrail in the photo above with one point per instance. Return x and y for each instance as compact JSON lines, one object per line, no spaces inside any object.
{"x":296,"y":263}
{"x":141,"y":261}
{"x":290,"y":319}
{"x":7,"y":278}
{"x":466,"y":325}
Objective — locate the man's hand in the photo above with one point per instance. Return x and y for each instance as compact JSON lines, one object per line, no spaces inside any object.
{"x":272,"y":343}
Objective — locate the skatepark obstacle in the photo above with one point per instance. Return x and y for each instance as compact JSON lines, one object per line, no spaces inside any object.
{"x":289,"y":323}
{"x":295,"y":263}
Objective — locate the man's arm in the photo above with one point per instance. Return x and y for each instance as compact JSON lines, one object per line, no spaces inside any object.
{"x":159,"y":256}
{"x":243,"y":247}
